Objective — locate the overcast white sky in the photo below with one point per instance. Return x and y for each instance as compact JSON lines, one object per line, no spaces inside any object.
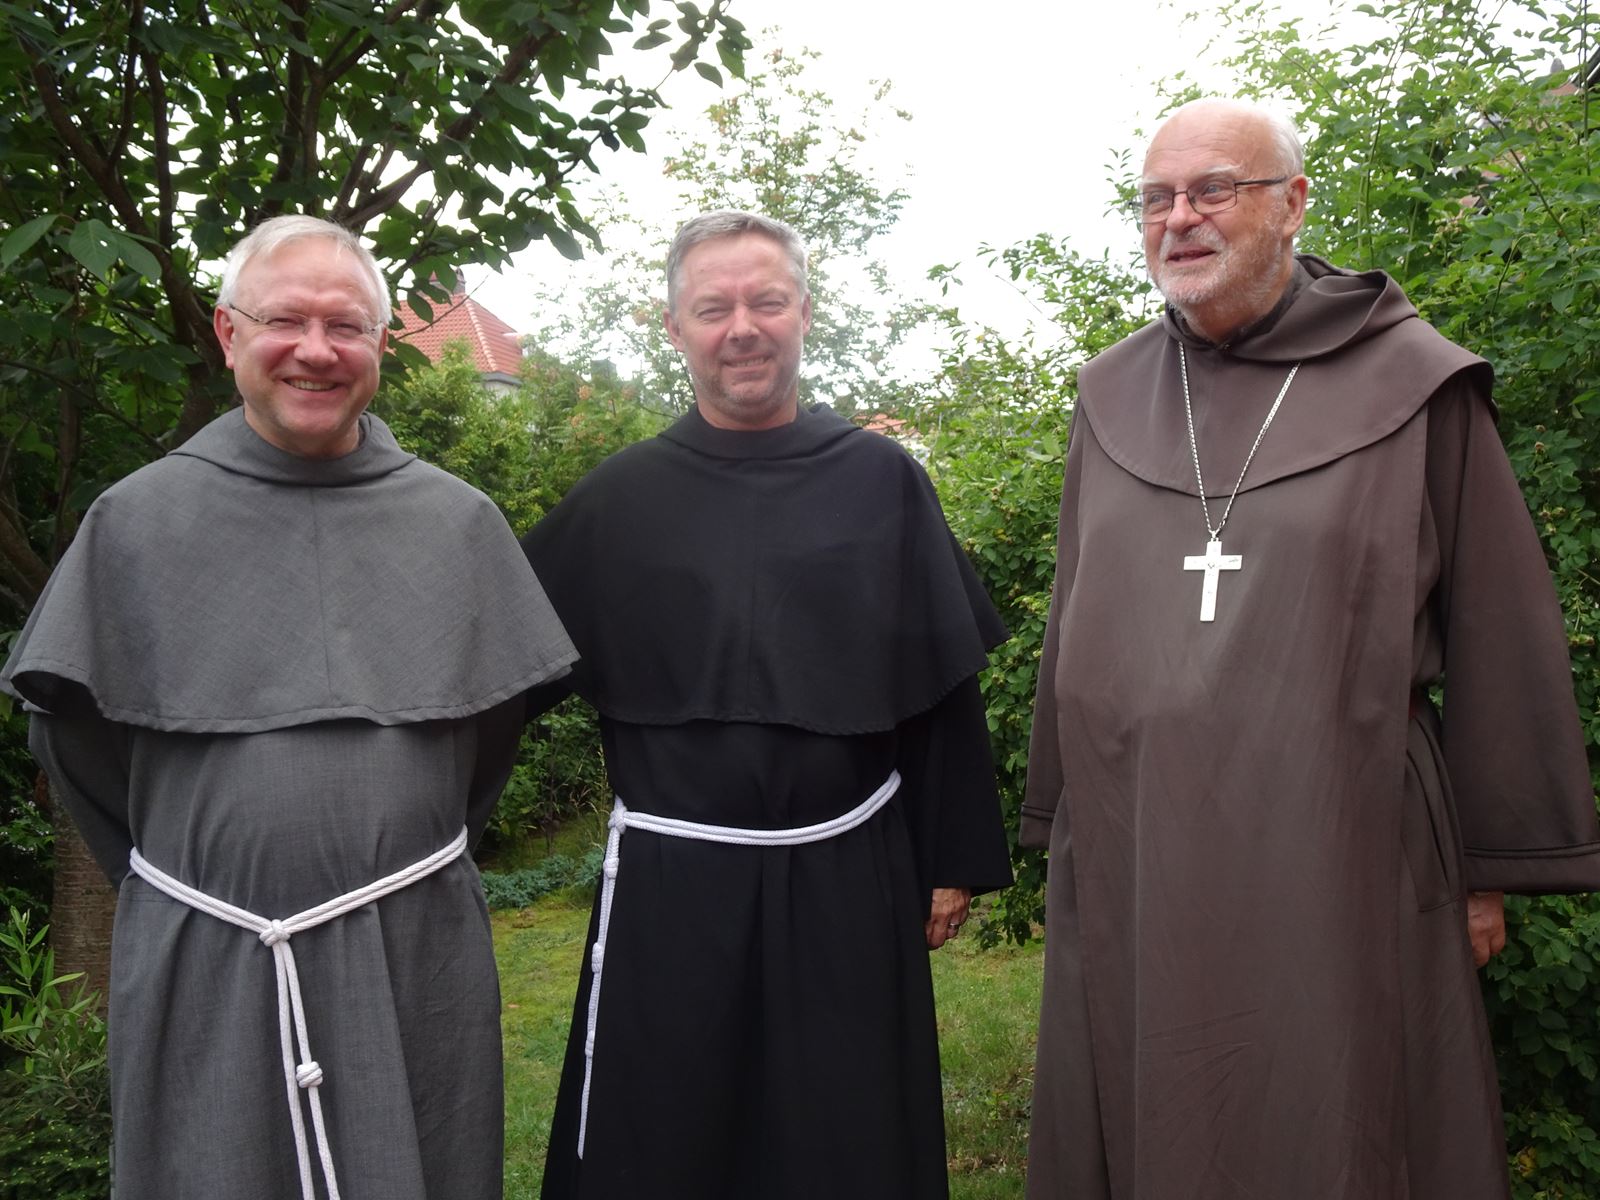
{"x":1017,"y":106}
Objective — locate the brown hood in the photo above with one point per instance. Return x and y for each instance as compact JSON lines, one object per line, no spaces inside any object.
{"x":1325,"y":309}
{"x":1368,"y":363}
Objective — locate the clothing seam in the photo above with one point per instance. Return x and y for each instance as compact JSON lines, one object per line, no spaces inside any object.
{"x":322,"y":596}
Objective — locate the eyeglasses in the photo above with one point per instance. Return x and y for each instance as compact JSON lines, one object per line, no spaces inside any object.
{"x":1150,"y":205}
{"x":341,"y":331}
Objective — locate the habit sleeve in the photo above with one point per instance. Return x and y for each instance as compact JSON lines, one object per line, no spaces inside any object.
{"x":1046,"y":772}
{"x":1512,"y":741}
{"x":499,"y":730}
{"x":86,"y":757}
{"x":947,"y":768}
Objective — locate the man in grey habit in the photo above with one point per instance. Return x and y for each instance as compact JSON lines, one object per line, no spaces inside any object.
{"x":1273,"y":863}
{"x":278,"y":681}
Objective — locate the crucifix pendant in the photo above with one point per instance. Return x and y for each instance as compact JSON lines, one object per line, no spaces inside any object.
{"x":1212,"y":562}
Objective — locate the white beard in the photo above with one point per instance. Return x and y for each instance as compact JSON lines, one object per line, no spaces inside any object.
{"x":1242,"y":276}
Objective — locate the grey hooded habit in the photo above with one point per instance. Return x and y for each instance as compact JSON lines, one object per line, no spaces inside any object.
{"x":1258,"y":981}
{"x":282,"y":679}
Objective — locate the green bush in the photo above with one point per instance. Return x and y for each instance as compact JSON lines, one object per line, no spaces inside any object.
{"x":26,"y":839}
{"x":1541,"y":996}
{"x":560,"y":772}
{"x":520,"y":888}
{"x":55,"y":1098}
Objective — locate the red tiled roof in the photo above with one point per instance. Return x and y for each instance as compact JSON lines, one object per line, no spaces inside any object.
{"x":885,"y":424}
{"x":493,"y":343}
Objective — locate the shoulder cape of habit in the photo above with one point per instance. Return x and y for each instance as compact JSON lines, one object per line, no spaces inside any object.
{"x":1353,"y":388}
{"x":231,"y":587}
{"x":800,"y":576}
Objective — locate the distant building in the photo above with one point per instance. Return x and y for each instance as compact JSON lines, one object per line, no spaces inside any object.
{"x":494,"y":346}
{"x":896,"y":429}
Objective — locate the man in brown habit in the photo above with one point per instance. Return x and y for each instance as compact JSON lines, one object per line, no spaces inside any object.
{"x":1274,"y":864}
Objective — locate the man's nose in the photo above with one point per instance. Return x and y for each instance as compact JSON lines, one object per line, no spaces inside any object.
{"x":1183,"y":215}
{"x":743,"y":324}
{"x":315,"y":345}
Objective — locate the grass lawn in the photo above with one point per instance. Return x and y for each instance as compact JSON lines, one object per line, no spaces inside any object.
{"x":988,"y":1004}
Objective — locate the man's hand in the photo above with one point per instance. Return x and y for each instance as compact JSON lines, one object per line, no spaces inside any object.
{"x":1486,"y":924}
{"x":948,"y":914}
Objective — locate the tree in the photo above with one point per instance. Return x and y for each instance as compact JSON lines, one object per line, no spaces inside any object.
{"x":775,"y":147}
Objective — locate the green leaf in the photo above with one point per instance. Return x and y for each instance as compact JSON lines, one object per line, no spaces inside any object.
{"x":516,"y":98}
{"x":564,"y":242}
{"x":136,"y":256}
{"x":1549,"y":1018}
{"x":22,"y":238}
{"x":93,"y":245}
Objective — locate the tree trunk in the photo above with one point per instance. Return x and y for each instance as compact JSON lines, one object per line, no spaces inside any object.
{"x":81,"y":908}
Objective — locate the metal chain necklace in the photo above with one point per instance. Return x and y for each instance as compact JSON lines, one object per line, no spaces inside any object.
{"x":1214,"y":561}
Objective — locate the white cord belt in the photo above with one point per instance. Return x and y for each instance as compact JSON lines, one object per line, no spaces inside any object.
{"x":622,"y":817}
{"x":291,"y":1010}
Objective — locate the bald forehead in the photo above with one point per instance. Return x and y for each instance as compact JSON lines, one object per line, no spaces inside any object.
{"x":1210,"y":138}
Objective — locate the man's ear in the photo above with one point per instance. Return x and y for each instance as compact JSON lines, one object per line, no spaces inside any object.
{"x":222,"y":325}
{"x":674,"y":334}
{"x":1295,"y":205}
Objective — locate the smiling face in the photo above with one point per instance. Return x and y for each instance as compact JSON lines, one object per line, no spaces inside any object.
{"x":305,"y":393}
{"x":739,"y":318}
{"x":1227,"y":269}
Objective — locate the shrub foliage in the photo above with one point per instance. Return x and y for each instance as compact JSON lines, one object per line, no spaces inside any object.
{"x":55,"y":1104}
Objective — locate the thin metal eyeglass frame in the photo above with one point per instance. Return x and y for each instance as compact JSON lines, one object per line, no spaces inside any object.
{"x":1135,"y":205}
{"x":367,"y":331}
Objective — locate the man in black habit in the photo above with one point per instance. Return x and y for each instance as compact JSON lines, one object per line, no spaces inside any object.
{"x":278,"y":681}
{"x":782,"y":639}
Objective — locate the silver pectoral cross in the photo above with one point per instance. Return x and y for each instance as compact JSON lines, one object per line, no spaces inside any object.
{"x":1211,"y":562}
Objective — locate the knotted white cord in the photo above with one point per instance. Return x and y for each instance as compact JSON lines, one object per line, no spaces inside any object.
{"x":307,"y":1074}
{"x":624,"y":818}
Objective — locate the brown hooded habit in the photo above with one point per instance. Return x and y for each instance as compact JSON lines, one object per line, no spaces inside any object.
{"x":1258,"y":979}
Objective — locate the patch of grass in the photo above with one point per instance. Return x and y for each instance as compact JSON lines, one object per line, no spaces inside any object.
{"x":539,"y":950}
{"x":988,"y":1010}
{"x":988,"y":1003}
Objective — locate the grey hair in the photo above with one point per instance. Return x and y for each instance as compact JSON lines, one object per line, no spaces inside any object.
{"x":266,"y":238}
{"x":1286,"y":141}
{"x":729,"y":222}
